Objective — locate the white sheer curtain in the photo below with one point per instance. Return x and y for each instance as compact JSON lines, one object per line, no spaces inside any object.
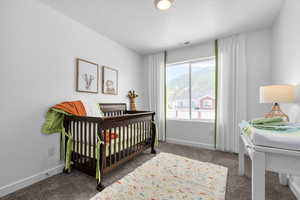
{"x":232,"y":91}
{"x":156,"y":84}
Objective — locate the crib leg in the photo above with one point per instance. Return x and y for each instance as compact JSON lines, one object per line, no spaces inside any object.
{"x":153,"y":151}
{"x":65,"y":171}
{"x":100,"y":187}
{"x":153,"y":137}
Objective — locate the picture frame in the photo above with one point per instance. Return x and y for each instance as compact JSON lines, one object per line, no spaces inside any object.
{"x":110,"y":80}
{"x":87,"y":76}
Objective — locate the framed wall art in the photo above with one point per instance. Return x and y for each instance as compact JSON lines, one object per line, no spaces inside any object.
{"x":109,"y":80}
{"x":87,"y":79}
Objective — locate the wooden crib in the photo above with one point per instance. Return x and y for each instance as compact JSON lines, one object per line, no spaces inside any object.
{"x":135,"y":131}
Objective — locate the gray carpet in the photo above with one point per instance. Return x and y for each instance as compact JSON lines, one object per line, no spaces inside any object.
{"x":78,"y":186}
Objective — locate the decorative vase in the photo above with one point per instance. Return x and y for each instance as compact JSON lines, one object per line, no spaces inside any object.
{"x":132,"y":96}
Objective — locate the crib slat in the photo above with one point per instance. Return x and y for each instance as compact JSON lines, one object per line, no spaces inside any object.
{"x":148,"y":131}
{"x":85,"y":139}
{"x":131,"y":138}
{"x":119,"y":139}
{"x":77,"y":142}
{"x":137,"y":136}
{"x":109,"y":136}
{"x":145,"y":130}
{"x":74,"y":140}
{"x":127,"y":133}
{"x":90,"y":142}
{"x":95,"y":132}
{"x":123,"y":133}
{"x":81,"y":142}
{"x":115,"y":146}
{"x":140,"y":134}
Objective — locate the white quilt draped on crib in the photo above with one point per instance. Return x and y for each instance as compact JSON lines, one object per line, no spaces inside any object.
{"x":232,"y":91}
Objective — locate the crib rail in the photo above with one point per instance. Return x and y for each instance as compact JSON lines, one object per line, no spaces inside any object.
{"x":113,"y":109}
{"x":134,"y":134}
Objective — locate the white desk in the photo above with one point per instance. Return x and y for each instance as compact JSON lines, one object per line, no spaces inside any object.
{"x":267,"y":158}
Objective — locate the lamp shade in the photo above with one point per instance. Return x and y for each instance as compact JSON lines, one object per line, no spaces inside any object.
{"x":277,"y":94}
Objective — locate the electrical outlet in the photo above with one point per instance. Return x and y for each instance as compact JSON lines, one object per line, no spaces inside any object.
{"x":51,"y":151}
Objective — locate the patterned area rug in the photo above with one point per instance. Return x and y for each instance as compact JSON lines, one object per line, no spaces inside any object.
{"x":170,"y":177}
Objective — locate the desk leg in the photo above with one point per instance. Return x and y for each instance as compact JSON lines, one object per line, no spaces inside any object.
{"x":283,"y":179}
{"x":241,"y":158}
{"x":258,"y":176}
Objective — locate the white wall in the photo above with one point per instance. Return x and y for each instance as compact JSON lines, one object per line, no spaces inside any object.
{"x":192,"y":133}
{"x":193,"y":52}
{"x":37,"y":68}
{"x":258,"y":50}
{"x":286,"y":58}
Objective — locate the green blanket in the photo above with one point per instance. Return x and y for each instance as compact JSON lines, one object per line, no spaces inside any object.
{"x":54,"y":121}
{"x":275,"y":124}
{"x":262,"y":121}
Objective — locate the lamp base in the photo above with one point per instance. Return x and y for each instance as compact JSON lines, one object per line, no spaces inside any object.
{"x":276,"y":112}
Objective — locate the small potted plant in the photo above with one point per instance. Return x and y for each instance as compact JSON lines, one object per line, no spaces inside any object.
{"x":132,"y":96}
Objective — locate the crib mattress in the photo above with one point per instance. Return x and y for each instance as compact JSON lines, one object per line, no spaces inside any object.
{"x":289,"y":140}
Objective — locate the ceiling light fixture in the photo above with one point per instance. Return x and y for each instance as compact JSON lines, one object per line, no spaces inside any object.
{"x":163,"y":4}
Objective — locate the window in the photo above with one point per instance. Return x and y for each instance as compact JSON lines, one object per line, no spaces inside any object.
{"x":190,"y":90}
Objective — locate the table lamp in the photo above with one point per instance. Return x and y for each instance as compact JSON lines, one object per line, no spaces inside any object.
{"x":276,"y":94}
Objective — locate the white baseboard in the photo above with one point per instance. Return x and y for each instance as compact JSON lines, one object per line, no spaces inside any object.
{"x":30,"y":180}
{"x":295,"y":187}
{"x":191,"y":143}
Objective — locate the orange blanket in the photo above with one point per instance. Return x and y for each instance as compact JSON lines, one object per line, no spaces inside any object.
{"x":72,"y":107}
{"x":113,"y":136}
{"x":77,"y":108}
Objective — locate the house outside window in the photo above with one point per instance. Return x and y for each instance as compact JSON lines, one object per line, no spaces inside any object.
{"x":207,"y":104}
{"x":190,"y":90}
